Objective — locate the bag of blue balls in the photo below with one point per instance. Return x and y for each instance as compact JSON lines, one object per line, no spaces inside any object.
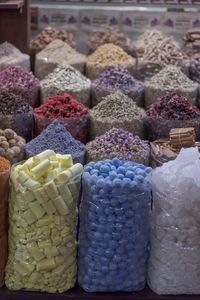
{"x":114,"y":226}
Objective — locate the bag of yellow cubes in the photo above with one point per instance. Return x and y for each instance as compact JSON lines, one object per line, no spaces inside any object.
{"x":43,"y":219}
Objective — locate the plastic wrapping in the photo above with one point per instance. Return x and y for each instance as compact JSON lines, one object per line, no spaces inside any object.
{"x":55,"y":54}
{"x":93,"y":69}
{"x":77,"y":126}
{"x":136,"y":94}
{"x":4,"y":189}
{"x":10,"y":55}
{"x":101,"y":125}
{"x":160,"y":128}
{"x":43,"y":218}
{"x":21,"y":123}
{"x":152,"y":94}
{"x":175,"y":246}
{"x":113,"y":236}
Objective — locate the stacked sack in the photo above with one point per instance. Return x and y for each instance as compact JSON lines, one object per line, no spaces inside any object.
{"x":114,"y":227}
{"x":175,"y":247}
{"x":43,"y":218}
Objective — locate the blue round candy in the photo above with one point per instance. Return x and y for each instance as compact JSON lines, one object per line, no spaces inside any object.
{"x":148,"y":170}
{"x":113,"y":266}
{"x":117,"y":183}
{"x":104,"y":169}
{"x":139,"y":178}
{"x":107,"y":186}
{"x":130,"y":174}
{"x":121,"y":170}
{"x":116,"y":162}
{"x":112,"y":175}
{"x":97,"y":235}
{"x":120,"y":176}
{"x":94,"y":178}
{"x":100,"y":183}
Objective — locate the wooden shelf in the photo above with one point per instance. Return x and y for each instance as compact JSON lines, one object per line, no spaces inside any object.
{"x":78,"y":294}
{"x":12,"y":4}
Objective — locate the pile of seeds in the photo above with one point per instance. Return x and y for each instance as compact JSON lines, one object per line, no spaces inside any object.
{"x":155,"y":51}
{"x":107,"y":34}
{"x":195,"y":67}
{"x":108,"y":55}
{"x":55,"y":137}
{"x":117,"y":110}
{"x":11,"y":145}
{"x":72,"y":113}
{"x":57,"y":53}
{"x":117,"y":78}
{"x":118,"y":143}
{"x":16,"y":114}
{"x":48,"y":35}
{"x":170,"y":79}
{"x":10,"y":55}
{"x":67,"y":79}
{"x":171,"y":111}
{"x":20,"y":82}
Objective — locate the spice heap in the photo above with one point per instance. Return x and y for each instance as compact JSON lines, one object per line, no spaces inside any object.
{"x":192,"y":40}
{"x":55,"y":137}
{"x":155,"y":51}
{"x":117,"y":78}
{"x":48,"y":35}
{"x":10,"y":55}
{"x":60,"y":107}
{"x":20,"y":82}
{"x":118,"y":143}
{"x":195,"y":67}
{"x":67,"y":79}
{"x":114,"y":226}
{"x":170,"y":79}
{"x":55,"y":54}
{"x":11,"y":145}
{"x":4,"y":164}
{"x":173,"y":106}
{"x":72,"y":113}
{"x":42,"y":235}
{"x":107,"y":34}
{"x":108,"y":55}
{"x":11,"y":104}
{"x":16,"y":114}
{"x":117,"y":110}
{"x":171,"y":111}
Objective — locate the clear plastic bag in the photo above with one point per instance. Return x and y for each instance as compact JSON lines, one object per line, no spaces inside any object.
{"x":42,"y":231}
{"x":4,"y":189}
{"x":102,"y":125}
{"x":159,"y":128}
{"x":22,"y":124}
{"x":77,"y":126}
{"x":175,"y":246}
{"x":55,"y":54}
{"x":113,"y":239}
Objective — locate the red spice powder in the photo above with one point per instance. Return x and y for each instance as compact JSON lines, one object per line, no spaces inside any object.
{"x":4,"y":164}
{"x":61,"y":106}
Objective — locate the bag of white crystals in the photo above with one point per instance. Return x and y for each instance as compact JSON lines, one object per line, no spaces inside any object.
{"x":174,"y":266}
{"x":42,"y":223}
